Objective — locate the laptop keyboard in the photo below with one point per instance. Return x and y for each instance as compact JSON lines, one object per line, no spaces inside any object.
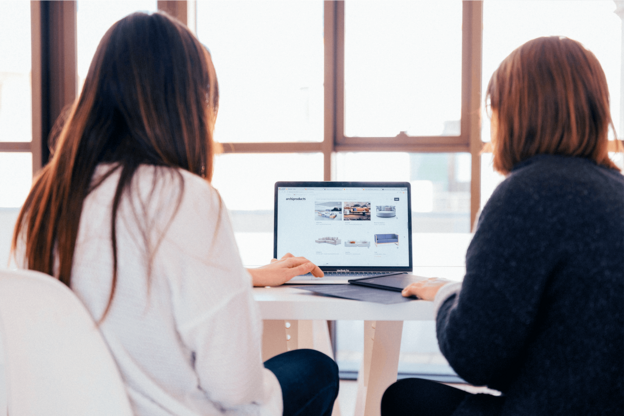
{"x":351,"y":275}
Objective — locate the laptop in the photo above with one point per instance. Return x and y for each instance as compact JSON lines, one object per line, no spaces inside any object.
{"x":351,"y":230}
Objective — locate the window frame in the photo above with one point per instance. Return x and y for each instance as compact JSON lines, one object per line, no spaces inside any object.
{"x":334,"y":139}
{"x":54,"y":86}
{"x":53,"y":74}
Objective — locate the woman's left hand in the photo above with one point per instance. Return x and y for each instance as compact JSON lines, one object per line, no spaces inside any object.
{"x":282,"y":270}
{"x":425,"y":289}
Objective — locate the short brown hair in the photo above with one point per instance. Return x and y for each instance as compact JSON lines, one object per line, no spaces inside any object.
{"x":550,"y":96}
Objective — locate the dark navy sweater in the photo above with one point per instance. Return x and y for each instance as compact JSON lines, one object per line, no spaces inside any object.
{"x":540,"y":313}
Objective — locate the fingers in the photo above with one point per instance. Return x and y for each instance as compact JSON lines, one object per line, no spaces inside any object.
{"x":302,"y":269}
{"x":293,"y":262}
{"x":425,"y":289}
{"x":317,"y":272}
{"x":412,"y":290}
{"x":285,"y":256}
{"x":415,"y":289}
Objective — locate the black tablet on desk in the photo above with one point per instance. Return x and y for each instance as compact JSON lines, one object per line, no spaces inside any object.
{"x":395,"y":283}
{"x":357,"y":288}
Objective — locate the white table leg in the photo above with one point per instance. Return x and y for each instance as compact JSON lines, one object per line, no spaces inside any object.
{"x":363,"y":374}
{"x":382,"y":344}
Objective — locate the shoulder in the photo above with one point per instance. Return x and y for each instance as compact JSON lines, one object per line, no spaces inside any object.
{"x":189,"y":214}
{"x":163,"y":187}
{"x":554,"y":171}
{"x":168,"y":179}
{"x":555,"y":191}
{"x":165,"y":202}
{"x":557,"y":180}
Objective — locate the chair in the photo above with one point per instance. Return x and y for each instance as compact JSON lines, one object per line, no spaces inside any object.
{"x":55,"y":358}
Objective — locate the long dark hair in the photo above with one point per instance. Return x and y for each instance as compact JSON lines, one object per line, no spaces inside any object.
{"x":150,"y":98}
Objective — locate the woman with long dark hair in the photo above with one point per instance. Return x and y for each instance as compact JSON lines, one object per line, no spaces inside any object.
{"x":124,"y":214}
{"x":539,"y":315}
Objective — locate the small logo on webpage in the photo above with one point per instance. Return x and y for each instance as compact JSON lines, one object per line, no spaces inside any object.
{"x":295,"y":199}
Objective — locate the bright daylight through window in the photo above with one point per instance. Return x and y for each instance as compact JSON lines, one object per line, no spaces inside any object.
{"x":269,"y":62}
{"x":15,"y":101}
{"x":403,"y":68}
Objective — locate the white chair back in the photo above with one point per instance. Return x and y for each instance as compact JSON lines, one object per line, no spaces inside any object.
{"x":55,"y":358}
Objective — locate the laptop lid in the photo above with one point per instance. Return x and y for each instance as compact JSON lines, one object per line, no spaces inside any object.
{"x":345,"y":226}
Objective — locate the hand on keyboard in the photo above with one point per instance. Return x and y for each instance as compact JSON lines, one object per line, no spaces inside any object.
{"x":282,"y":270}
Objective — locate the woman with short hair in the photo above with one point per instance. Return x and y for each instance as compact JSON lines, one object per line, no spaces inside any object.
{"x":539,"y":315}
{"x":124,"y":214}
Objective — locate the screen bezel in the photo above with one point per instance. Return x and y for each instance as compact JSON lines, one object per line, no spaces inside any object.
{"x":350,"y":185}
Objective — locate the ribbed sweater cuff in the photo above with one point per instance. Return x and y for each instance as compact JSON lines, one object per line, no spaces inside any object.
{"x":443,"y":294}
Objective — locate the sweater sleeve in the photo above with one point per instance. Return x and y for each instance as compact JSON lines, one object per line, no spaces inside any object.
{"x":215,"y":313}
{"x":483,"y":329}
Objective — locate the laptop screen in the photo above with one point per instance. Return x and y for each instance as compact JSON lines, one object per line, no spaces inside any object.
{"x":345,"y":225}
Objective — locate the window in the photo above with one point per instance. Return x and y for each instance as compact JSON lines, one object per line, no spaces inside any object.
{"x":15,"y":67}
{"x":396,"y":79}
{"x":269,"y":62}
{"x":15,"y":103}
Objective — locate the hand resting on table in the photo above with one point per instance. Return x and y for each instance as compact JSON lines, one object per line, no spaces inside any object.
{"x":425,"y":289}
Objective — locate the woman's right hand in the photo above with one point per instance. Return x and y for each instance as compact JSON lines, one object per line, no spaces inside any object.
{"x":280,"y":271}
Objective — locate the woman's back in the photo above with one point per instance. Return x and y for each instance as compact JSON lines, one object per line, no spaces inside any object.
{"x":185,"y":332}
{"x":539,"y":316}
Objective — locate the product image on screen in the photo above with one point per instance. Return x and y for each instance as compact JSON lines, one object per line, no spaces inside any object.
{"x":328,"y":211}
{"x":386,"y":211}
{"x":357,"y":243}
{"x":357,"y":211}
{"x":328,"y":240}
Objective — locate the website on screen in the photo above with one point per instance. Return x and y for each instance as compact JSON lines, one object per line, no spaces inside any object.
{"x":356,"y":227}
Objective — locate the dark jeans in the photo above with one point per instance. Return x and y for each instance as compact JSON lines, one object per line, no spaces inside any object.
{"x":309,"y":381}
{"x":415,"y":396}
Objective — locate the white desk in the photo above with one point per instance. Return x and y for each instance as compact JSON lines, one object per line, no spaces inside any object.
{"x":297,"y":318}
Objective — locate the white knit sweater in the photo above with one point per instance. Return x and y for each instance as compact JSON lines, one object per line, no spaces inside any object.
{"x":187,"y":336}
